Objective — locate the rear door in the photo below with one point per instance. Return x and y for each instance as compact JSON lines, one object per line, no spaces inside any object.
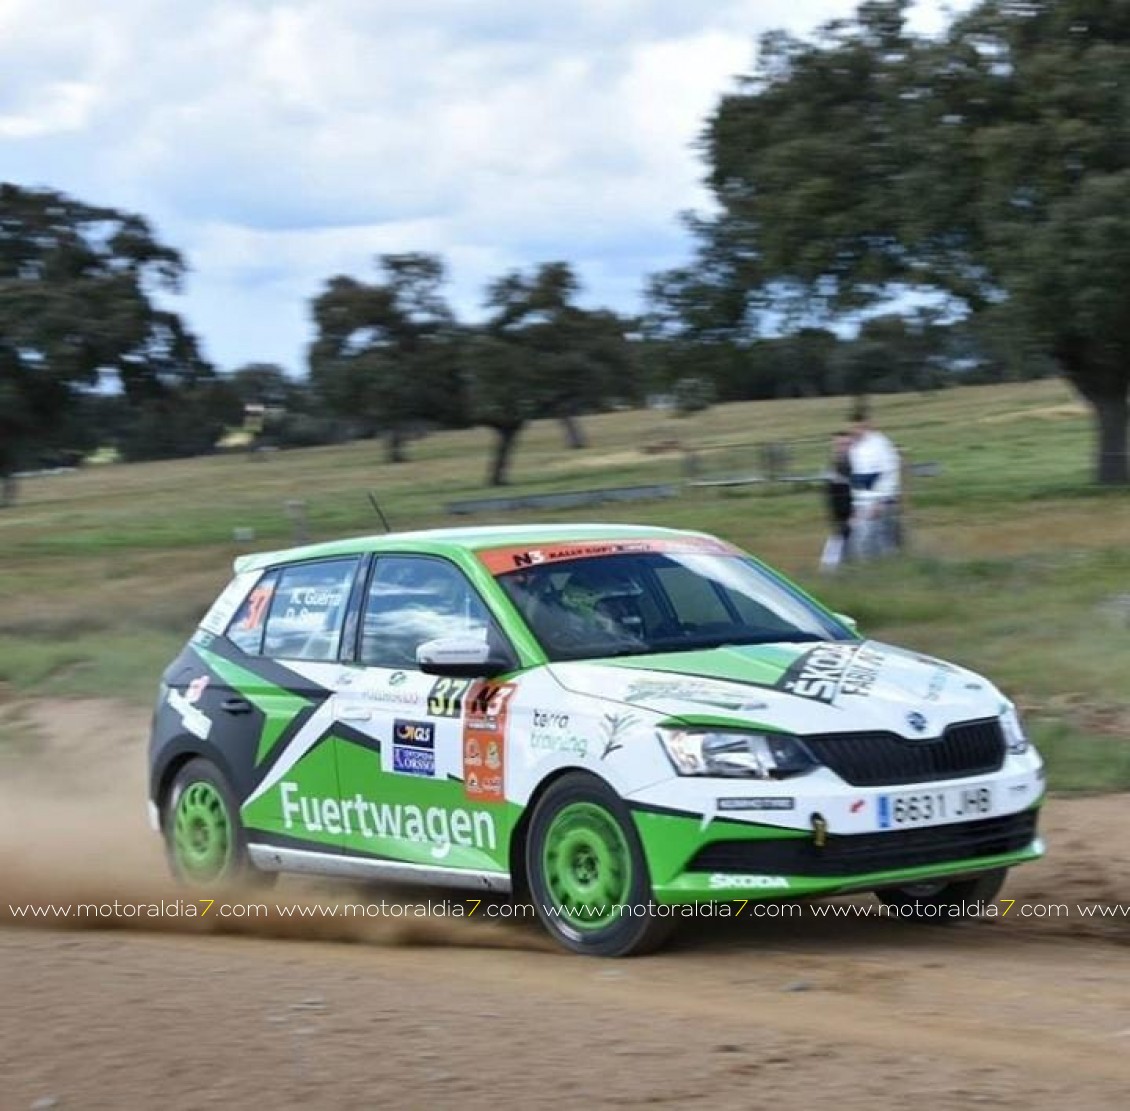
{"x":279,"y":684}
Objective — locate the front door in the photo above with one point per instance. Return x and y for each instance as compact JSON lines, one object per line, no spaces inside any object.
{"x":420,"y":798}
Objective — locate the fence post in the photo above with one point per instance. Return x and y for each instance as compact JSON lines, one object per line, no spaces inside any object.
{"x":296,"y":511}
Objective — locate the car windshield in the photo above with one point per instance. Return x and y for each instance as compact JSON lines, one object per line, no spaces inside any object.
{"x":636,"y":604}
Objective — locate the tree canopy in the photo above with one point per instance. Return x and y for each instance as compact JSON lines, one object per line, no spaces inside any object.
{"x":78,"y":304}
{"x":539,"y":354}
{"x":989,"y":165}
{"x":893,"y":211}
{"x":384,"y":352}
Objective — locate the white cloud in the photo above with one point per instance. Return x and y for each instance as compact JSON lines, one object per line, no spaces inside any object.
{"x":279,"y":141}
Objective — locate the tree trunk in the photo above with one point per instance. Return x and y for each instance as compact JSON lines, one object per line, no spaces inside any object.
{"x":500,"y":462}
{"x":1112,"y":414}
{"x":395,"y":446}
{"x":575,"y":437}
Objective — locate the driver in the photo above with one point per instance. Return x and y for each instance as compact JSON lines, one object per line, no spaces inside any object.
{"x":607,"y":599}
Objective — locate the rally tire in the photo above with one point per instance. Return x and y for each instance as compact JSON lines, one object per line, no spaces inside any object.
{"x":205,"y":843}
{"x":583,"y":853}
{"x":944,"y":903}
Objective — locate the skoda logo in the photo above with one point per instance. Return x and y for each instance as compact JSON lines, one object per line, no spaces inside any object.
{"x":917,"y":722}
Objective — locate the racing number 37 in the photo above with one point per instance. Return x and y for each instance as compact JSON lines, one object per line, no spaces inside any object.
{"x":446,"y":697}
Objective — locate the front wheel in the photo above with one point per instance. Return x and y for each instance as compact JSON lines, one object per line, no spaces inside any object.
{"x":587,"y":874}
{"x":944,"y":902}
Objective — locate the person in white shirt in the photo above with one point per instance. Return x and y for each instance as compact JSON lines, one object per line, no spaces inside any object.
{"x":876,"y":485}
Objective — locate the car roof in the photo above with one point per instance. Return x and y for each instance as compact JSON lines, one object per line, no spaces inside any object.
{"x":450,"y":539}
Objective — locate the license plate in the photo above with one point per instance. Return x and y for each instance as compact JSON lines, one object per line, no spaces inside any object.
{"x":932,"y":808}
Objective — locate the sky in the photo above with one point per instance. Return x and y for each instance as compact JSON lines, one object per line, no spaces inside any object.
{"x":279,"y":142}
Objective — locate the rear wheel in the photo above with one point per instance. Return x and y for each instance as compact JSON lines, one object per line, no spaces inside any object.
{"x":585,"y":865}
{"x":204,"y":839}
{"x":944,"y":902}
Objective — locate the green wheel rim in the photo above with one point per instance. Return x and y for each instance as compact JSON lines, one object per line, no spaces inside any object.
{"x":587,"y":865}
{"x":202,"y":832}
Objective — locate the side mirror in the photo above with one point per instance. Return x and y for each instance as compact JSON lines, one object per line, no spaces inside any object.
{"x":850,"y":622}
{"x":460,"y":658}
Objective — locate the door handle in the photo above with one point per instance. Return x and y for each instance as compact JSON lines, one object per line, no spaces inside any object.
{"x":236,"y":706}
{"x":350,"y":711}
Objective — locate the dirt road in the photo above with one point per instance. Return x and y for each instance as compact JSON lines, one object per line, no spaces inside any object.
{"x":783,"y":1013}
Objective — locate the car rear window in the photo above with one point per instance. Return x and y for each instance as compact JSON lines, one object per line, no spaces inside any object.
{"x":246,"y":628}
{"x":308,"y":610}
{"x":297,"y":612}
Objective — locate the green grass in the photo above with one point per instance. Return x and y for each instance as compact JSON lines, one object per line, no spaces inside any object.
{"x":122,"y":664}
{"x":1079,"y":762}
{"x":1017,"y":570}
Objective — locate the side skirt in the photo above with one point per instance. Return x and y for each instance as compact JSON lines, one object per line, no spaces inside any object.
{"x":274,"y":858}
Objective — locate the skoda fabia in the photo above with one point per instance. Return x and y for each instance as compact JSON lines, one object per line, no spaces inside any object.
{"x":610,"y":721}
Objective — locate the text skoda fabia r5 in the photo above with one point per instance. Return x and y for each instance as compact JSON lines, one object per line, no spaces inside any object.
{"x":615,"y":722}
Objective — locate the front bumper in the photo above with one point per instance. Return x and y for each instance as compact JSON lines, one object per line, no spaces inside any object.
{"x":752,"y":878}
{"x":828,"y":839}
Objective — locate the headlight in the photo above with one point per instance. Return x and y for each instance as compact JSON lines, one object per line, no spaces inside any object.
{"x":751,"y":755}
{"x":1015,"y":739}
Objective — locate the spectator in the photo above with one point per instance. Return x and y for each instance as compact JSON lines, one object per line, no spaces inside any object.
{"x":837,"y":488}
{"x":876,"y":483}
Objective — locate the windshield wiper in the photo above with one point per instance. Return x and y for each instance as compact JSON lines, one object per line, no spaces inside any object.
{"x":775,"y":638}
{"x":703,"y":644}
{"x":706,"y":644}
{"x":633,"y":650}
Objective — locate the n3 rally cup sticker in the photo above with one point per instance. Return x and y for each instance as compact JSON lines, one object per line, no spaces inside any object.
{"x":501,"y":560}
{"x":486,"y":712}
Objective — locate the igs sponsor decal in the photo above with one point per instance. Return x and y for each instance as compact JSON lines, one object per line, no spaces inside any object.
{"x":413,"y":748}
{"x":486,"y":714}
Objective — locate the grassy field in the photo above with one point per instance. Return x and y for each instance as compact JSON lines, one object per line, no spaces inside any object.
{"x":1019,"y":567}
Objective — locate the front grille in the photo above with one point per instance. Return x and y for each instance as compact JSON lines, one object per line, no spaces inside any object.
{"x":885,"y":759}
{"x":860,"y":853}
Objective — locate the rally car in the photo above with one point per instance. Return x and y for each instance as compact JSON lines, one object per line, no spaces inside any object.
{"x":610,"y":721}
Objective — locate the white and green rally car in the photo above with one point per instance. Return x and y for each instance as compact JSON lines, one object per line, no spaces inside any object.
{"x":607,"y":719}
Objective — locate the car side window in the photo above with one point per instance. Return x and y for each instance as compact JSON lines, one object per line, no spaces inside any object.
{"x":246,"y":628}
{"x":414,"y":599}
{"x":308,"y":610}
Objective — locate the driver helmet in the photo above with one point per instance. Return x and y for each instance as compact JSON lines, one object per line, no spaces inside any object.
{"x":607,"y":592}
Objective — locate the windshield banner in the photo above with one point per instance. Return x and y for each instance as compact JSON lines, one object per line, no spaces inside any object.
{"x":500,"y":561}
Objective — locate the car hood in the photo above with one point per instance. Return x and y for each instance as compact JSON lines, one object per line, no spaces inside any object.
{"x":832,"y":686}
